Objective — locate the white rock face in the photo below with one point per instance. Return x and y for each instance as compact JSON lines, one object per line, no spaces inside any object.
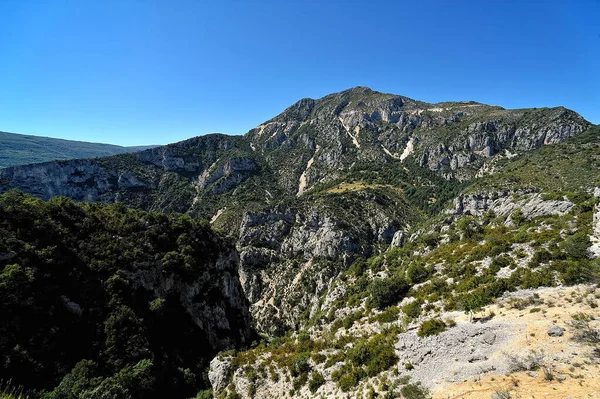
{"x":218,"y":374}
{"x":595,"y":238}
{"x":397,"y":240}
{"x":504,"y":204}
{"x":410,"y":148}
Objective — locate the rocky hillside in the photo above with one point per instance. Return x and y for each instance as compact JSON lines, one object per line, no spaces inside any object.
{"x":101,"y":301}
{"x":323,"y":183}
{"x":22,"y":149}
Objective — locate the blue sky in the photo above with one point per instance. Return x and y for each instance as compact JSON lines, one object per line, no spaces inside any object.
{"x":153,"y":72}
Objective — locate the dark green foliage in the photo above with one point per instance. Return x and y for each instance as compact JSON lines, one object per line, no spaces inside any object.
{"x":517,"y":217}
{"x":300,"y":364}
{"x":413,"y":310}
{"x":539,"y":257}
{"x":417,"y":273}
{"x":316,"y":380}
{"x":206,"y":394}
{"x":376,"y":354}
{"x":431,"y":327}
{"x":575,"y":246}
{"x":386,"y":292}
{"x":389,"y":315}
{"x":468,"y":227}
{"x":72,"y":283}
{"x":414,"y":391}
{"x":347,"y":377}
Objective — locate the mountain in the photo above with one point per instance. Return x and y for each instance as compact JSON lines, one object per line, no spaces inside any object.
{"x":326,"y":179}
{"x":21,"y":149}
{"x":362,"y":218}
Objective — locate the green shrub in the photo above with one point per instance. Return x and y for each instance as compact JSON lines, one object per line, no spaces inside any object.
{"x":316,"y":380}
{"x":539,"y":257}
{"x":500,"y":262}
{"x":377,"y":354}
{"x":299,"y":364}
{"x":206,"y":394}
{"x":413,"y":309}
{"x":475,"y":300}
{"x":518,"y":217}
{"x":431,"y":327}
{"x":416,"y":273}
{"x":386,"y":292}
{"x":531,"y":279}
{"x":348,"y":381}
{"x":576,"y":246}
{"x":468,"y":228}
{"x":389,"y":315}
{"x":414,"y":391}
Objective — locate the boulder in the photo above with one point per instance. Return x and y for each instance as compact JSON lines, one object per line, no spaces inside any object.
{"x":556,"y":331}
{"x":219,"y":371}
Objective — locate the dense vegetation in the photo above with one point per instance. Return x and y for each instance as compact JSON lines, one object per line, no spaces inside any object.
{"x":20,"y":149}
{"x":93,"y":299}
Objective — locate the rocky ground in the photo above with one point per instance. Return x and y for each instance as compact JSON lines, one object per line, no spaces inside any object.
{"x":536,"y":332}
{"x":540,"y":343}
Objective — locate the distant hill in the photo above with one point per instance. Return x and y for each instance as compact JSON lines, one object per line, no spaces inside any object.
{"x":21,"y":149}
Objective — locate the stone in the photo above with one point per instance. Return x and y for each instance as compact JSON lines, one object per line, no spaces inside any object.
{"x":218,"y":374}
{"x":556,"y":331}
{"x":398,"y":239}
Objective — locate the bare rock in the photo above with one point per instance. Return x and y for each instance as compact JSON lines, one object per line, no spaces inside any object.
{"x":556,"y":331}
{"x":219,"y":371}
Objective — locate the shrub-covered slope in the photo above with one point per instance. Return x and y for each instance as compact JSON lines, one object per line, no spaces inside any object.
{"x":104,"y":301}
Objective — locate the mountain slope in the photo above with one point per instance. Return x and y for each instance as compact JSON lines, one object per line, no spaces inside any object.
{"x":103,"y":300}
{"x":321,"y":184}
{"x":21,"y":149}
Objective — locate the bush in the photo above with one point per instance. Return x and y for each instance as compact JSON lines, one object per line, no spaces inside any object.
{"x":207,"y":394}
{"x":414,"y":391}
{"x":386,"y":292}
{"x":376,"y":354}
{"x":541,"y":256}
{"x":316,"y":380}
{"x":389,"y":315}
{"x":517,"y":217}
{"x":416,"y":273}
{"x":474,"y":301}
{"x":413,"y":310}
{"x":468,"y":228}
{"x":348,"y":381}
{"x":576,"y":246}
{"x":431,"y":327}
{"x":500,"y":262}
{"x":299,"y":364}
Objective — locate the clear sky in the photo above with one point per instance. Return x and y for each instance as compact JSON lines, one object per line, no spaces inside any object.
{"x":151,"y":72}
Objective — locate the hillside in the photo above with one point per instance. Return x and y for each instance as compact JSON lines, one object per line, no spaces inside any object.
{"x":21,"y":149}
{"x":362,"y":218}
{"x":103,"y":300}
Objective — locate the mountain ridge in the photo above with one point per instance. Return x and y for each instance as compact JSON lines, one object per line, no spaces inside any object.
{"x":22,"y":149}
{"x":301,"y":174}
